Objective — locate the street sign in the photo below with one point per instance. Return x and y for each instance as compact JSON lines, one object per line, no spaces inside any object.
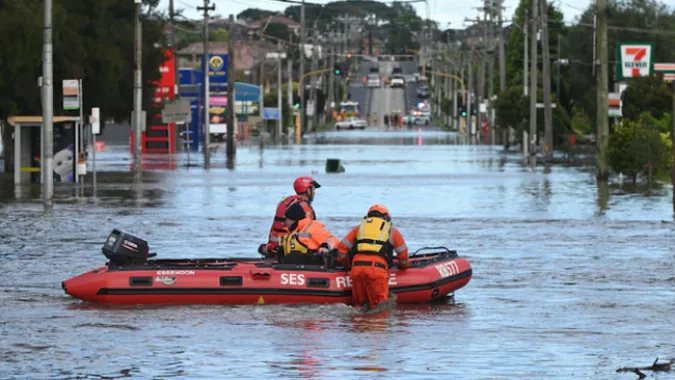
{"x":309,"y":110}
{"x":275,"y":55}
{"x":541,"y":105}
{"x":634,"y":60}
{"x":270,"y":113}
{"x":71,"y":94}
{"x":177,"y":111}
{"x":95,"y":120}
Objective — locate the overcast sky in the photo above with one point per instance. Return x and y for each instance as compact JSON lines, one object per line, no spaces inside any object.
{"x":448,"y":13}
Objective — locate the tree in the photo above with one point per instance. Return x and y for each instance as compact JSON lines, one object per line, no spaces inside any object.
{"x":512,"y":108}
{"x":219,"y":34}
{"x":93,"y":41}
{"x":624,"y":16}
{"x":255,"y":14}
{"x":278,"y":30}
{"x":636,"y":147}
{"x":646,"y":94}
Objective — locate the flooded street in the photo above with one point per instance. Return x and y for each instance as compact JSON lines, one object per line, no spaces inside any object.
{"x":569,"y":281}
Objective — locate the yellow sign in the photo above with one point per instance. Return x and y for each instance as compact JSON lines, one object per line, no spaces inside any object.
{"x":261,"y":300}
{"x":216,"y":62}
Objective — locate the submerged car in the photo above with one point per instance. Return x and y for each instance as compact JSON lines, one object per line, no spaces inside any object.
{"x":351,"y":123}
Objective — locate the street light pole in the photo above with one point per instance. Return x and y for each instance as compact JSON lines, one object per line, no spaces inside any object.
{"x":48,"y":107}
{"x":138,"y":89}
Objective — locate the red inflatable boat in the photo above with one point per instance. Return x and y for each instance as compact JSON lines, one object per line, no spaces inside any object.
{"x":130,"y":278}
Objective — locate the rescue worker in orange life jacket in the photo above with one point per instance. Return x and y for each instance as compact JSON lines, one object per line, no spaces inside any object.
{"x":308,"y":239}
{"x":304,"y":188}
{"x":371,"y":245}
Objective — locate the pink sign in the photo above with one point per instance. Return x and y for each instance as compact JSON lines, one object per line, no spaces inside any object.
{"x":219,"y":101}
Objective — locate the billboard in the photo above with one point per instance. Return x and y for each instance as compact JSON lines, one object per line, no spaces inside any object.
{"x":634,"y":59}
{"x":218,"y":68}
{"x":166,"y":85}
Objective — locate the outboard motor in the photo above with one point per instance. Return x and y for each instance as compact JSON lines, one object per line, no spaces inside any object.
{"x":123,"y":249}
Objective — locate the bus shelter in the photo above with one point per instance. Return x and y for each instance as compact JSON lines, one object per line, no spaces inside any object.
{"x":28,"y":147}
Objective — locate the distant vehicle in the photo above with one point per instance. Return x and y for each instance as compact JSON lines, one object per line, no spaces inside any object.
{"x":349,"y":109}
{"x":375,"y":69}
{"x":373,"y":80}
{"x":397,"y":70}
{"x":423,"y":92}
{"x":397,"y":81}
{"x":422,"y":117}
{"x":351,"y":123}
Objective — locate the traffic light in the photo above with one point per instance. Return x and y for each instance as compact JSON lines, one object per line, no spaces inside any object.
{"x":296,"y":100}
{"x":337,"y":70}
{"x":463,"y":110}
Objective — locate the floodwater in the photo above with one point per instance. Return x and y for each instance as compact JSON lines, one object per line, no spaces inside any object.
{"x":569,"y":281}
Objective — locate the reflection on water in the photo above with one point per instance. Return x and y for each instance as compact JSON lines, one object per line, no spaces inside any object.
{"x":571,"y":278}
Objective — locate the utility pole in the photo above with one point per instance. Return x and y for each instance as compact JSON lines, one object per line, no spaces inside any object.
{"x":546,"y":78}
{"x":174,"y":45}
{"x":602,"y":169}
{"x":312,"y":82}
{"x":533,"y":85}
{"x":470,"y":94}
{"x":331,"y":75}
{"x":491,"y":72}
{"x":176,"y":87}
{"x":289,"y":90}
{"x":673,"y":134}
{"x":231,"y":116}
{"x":262,"y":90}
{"x":464,"y":95}
{"x":280,"y":66}
{"x":480,"y":93}
{"x":491,"y":89}
{"x":48,"y":108}
{"x":557,"y":75}
{"x":502,"y":57}
{"x":526,"y":43}
{"x":138,"y":90}
{"x":302,"y":70}
{"x":207,"y":86}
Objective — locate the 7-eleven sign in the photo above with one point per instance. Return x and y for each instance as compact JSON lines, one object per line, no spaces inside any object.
{"x":634,"y":60}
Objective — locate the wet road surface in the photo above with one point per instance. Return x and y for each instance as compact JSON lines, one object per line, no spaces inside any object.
{"x":570,"y":281}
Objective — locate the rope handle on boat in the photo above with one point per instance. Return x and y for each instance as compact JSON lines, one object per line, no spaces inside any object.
{"x":446,"y":249}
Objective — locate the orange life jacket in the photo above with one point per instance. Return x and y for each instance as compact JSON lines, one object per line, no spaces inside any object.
{"x":279,"y":229}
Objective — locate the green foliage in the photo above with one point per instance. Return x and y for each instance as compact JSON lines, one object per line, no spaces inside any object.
{"x":255,"y":14}
{"x":93,"y":40}
{"x":626,"y":14}
{"x":580,"y":124}
{"x":512,"y":108}
{"x":514,"y":44}
{"x":219,"y":35}
{"x":278,"y":30}
{"x":647,"y":94}
{"x":635,"y":145}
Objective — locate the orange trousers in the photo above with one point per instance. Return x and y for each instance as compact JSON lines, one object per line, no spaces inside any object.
{"x":369,"y":283}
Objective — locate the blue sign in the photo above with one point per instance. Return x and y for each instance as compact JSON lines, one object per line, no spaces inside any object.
{"x":270,"y":113}
{"x":218,"y":68}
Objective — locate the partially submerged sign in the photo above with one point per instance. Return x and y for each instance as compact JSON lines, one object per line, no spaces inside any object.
{"x":177,"y":111}
{"x":634,"y":60}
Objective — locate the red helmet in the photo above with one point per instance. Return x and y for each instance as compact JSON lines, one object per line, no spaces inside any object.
{"x":382,"y":209}
{"x":302,"y":184}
